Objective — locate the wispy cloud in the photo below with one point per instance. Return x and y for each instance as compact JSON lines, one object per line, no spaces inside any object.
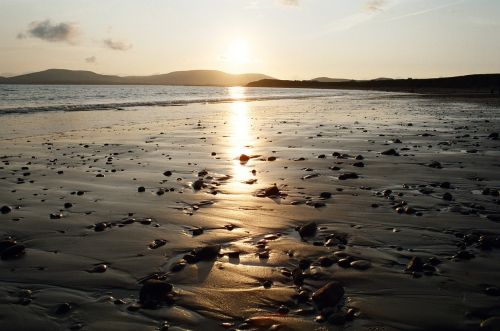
{"x":46,"y":30}
{"x":116,"y":45}
{"x":375,"y":5}
{"x":91,"y":59}
{"x":428,"y":10}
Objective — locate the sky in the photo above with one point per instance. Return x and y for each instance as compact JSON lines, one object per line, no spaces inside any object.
{"x":286,"y":39}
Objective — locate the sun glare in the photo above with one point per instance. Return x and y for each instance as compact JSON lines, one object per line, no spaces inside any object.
{"x":238,"y":52}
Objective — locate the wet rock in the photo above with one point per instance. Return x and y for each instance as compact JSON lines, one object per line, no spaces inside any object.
{"x":56,"y":216}
{"x":206,"y":253}
{"x":178,"y":266}
{"x":326,"y":261}
{"x":325,"y":195}
{"x":445,"y":185}
{"x":101,"y":226}
{"x":391,"y":151}
{"x":345,"y":262}
{"x":329,"y":295}
{"x":493,"y":136}
{"x":283,"y":310}
{"x":154,"y":293}
{"x":12,"y":252}
{"x":271,"y":158}
{"x":167,"y":173}
{"x":267,"y":283}
{"x":358,"y":164}
{"x":348,"y":175}
{"x":360,"y":264}
{"x":100,"y":268}
{"x":490,"y":324}
{"x":415,"y":264}
{"x":435,"y":164}
{"x":447,"y":196}
{"x":244,"y":158}
{"x":308,"y":230}
{"x":359,"y":157}
{"x":63,"y":308}
{"x":157,"y":243}
{"x":272,"y":191}
{"x":5,"y":209}
{"x":68,"y":205}
{"x":198,"y":184}
{"x":141,"y":189}
{"x":197,"y":231}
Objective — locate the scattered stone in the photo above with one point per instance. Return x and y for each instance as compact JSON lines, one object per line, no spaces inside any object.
{"x":325,"y":195}
{"x":358,"y":164}
{"x":157,"y":243}
{"x":100,"y":268}
{"x":167,"y":173}
{"x":435,"y":164}
{"x":198,"y":184}
{"x":493,"y":136}
{"x":271,"y":158}
{"x":326,"y":261}
{"x":100,"y":226}
{"x":329,"y":295}
{"x":206,"y":253}
{"x":68,"y":205}
{"x":447,"y":196}
{"x":308,"y":230}
{"x":348,"y":175}
{"x":5,"y":209}
{"x":10,"y":250}
{"x":56,"y":216}
{"x":244,"y":158}
{"x":141,"y":189}
{"x":391,"y":151}
{"x":154,"y":293}
{"x":360,"y":264}
{"x":272,"y":191}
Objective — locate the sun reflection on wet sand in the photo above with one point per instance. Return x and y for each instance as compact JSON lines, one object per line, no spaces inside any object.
{"x":240,"y":138}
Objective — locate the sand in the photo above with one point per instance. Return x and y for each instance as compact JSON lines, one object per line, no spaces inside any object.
{"x":105,"y":202}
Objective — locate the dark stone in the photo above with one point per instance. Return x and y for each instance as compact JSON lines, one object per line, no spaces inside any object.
{"x":348,"y":175}
{"x":63,"y":308}
{"x":358,"y":164}
{"x":326,"y":261}
{"x":13,"y":252}
{"x":154,"y":293}
{"x":446,"y":185}
{"x":391,"y":151}
{"x":338,"y":318}
{"x":244,"y":158}
{"x":344,"y":263}
{"x":493,"y":136}
{"x":271,"y":158}
{"x":308,"y":230}
{"x":325,"y":195}
{"x":435,"y":164}
{"x":141,"y":189}
{"x":197,"y":231}
{"x":329,"y":295}
{"x":415,"y":264}
{"x":56,"y":216}
{"x":198,"y":184}
{"x":206,"y":253}
{"x":167,"y":173}
{"x":100,"y":268}
{"x":157,"y":243}
{"x":100,"y":226}
{"x":447,"y":196}
{"x":68,"y":205}
{"x":5,"y":209}
{"x":283,"y":310}
{"x":272,"y":191}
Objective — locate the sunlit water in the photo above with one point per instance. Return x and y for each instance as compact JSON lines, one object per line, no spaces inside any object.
{"x":35,"y":98}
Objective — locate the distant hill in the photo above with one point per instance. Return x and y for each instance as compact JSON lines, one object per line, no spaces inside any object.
{"x":482,"y":83}
{"x":191,"y":77}
{"x":329,"y":80}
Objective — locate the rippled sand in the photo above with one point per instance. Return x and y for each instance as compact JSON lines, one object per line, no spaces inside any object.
{"x":436,"y":200}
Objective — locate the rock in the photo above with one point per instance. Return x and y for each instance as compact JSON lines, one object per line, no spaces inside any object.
{"x":447,"y":196}
{"x":167,"y":173}
{"x":271,"y":158}
{"x":198,"y":184}
{"x":63,"y":309}
{"x":141,"y":189}
{"x":348,"y":175}
{"x":11,"y":252}
{"x":56,"y":216}
{"x":493,"y":136}
{"x":272,"y":191}
{"x":100,"y":226}
{"x":283,"y":310}
{"x":4,"y":244}
{"x":345,"y":262}
{"x":154,"y":293}
{"x":308,"y":230}
{"x":359,"y":157}
{"x":435,"y":164}
{"x":338,"y":318}
{"x":244,"y":158}
{"x":326,"y":261}
{"x":358,"y":164}
{"x":415,"y":264}
{"x":206,"y":253}
{"x":329,"y":295}
{"x":197,"y":231}
{"x":360,"y":264}
{"x":100,"y":268}
{"x":490,"y":324}
{"x":157,"y":243}
{"x":445,"y":185}
{"x":325,"y":195}
{"x":5,"y":209}
{"x":267,"y":283}
{"x":68,"y":205}
{"x":391,"y":151}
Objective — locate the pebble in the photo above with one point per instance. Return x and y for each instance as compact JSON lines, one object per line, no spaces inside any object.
{"x":100,"y":268}
{"x":272,"y":191}
{"x":167,"y":173}
{"x":198,"y":184}
{"x":308,"y":230}
{"x":244,"y":158}
{"x":157,"y":243}
{"x":10,"y":252}
{"x":100,"y":226}
{"x":56,"y":216}
{"x":63,"y":308}
{"x":206,"y":253}
{"x":141,"y":189}
{"x":197,"y":231}
{"x":68,"y":205}
{"x":329,"y":295}
{"x":447,"y":196}
{"x":391,"y":151}
{"x":154,"y":293}
{"x":5,"y":209}
{"x":348,"y":175}
{"x":325,"y":195}
{"x":326,"y":261}
{"x":360,"y":264}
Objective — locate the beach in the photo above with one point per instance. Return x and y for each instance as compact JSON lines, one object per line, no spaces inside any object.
{"x":363,"y":211}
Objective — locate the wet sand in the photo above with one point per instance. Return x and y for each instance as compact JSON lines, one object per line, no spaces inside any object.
{"x":154,"y":219}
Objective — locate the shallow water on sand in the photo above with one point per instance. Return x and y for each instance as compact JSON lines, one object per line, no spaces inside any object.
{"x":436,"y":200}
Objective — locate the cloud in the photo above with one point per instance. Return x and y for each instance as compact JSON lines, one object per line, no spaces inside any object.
{"x":289,"y":2}
{"x":91,"y":59}
{"x":428,"y":10}
{"x":116,"y":44}
{"x":375,"y":5}
{"x":46,"y":30}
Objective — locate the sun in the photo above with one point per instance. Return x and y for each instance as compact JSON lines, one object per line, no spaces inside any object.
{"x":238,"y":52}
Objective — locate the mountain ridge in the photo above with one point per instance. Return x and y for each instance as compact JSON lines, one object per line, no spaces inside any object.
{"x":186,"y":77}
